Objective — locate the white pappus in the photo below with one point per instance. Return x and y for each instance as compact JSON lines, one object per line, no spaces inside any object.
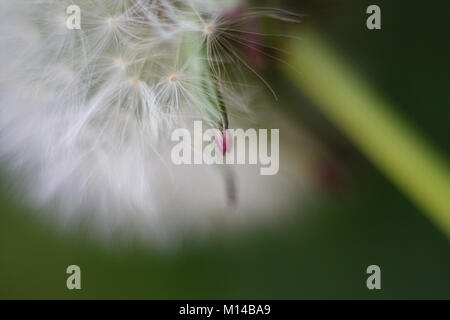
{"x":86,"y":115}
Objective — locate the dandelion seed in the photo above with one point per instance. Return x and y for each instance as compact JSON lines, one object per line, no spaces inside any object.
{"x":209,"y":30}
{"x":173,"y":78}
{"x":112,"y":22}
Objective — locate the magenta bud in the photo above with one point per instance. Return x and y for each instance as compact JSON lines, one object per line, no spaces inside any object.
{"x":224,"y":141}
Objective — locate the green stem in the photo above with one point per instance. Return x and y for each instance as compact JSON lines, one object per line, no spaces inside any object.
{"x":368,"y":120}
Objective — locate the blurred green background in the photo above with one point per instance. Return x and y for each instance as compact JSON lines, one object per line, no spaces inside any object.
{"x":359,"y":217}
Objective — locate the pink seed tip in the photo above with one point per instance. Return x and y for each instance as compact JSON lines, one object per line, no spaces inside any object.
{"x":224,"y":142}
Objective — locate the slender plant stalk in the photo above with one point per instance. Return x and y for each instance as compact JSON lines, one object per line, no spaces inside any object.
{"x":212,"y":85}
{"x":369,"y":122}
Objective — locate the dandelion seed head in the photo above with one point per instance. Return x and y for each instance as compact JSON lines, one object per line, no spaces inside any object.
{"x":86,"y":115}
